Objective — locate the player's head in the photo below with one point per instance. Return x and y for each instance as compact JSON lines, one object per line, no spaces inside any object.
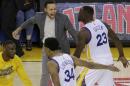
{"x":9,"y":49}
{"x":50,"y":8}
{"x":86,"y":14}
{"x":51,"y":45}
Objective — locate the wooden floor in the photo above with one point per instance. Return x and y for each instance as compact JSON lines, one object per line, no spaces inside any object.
{"x":34,"y":71}
{"x":32,"y":63}
{"x":35,"y":54}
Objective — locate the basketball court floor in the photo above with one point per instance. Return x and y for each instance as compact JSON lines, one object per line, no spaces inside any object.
{"x":32,"y":63}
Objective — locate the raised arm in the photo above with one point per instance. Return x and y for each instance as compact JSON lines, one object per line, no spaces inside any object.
{"x":118,"y":44}
{"x":53,"y":70}
{"x":93,"y":65}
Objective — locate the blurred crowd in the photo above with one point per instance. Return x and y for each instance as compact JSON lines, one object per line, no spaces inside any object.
{"x":12,"y":14}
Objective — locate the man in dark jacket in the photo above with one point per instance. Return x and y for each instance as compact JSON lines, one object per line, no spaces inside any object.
{"x":51,"y":24}
{"x":8,"y":12}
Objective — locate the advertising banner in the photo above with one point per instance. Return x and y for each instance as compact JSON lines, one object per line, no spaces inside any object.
{"x":117,"y":15}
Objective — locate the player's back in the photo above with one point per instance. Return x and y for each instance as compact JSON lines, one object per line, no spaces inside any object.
{"x":99,"y":45}
{"x":66,"y":70}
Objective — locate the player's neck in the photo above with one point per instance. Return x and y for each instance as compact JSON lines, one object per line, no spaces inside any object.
{"x":56,"y":53}
{"x":88,"y":21}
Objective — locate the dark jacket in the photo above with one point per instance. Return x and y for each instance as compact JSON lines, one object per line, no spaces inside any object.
{"x":62,"y":25}
{"x":8,"y":13}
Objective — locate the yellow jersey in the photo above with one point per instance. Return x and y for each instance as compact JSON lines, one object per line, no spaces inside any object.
{"x":8,"y":70}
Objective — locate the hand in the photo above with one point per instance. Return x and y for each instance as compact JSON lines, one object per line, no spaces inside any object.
{"x":124,"y":61}
{"x":113,"y":68}
{"x":15,"y":34}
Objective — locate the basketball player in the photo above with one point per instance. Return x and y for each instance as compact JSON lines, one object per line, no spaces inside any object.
{"x":61,"y":65}
{"x":95,"y":33}
{"x":10,"y":64}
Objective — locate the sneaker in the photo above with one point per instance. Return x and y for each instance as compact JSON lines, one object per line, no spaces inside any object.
{"x":29,"y":45}
{"x":20,"y":54}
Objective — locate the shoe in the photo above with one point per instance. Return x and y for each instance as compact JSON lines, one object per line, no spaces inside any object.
{"x":29,"y":45}
{"x":20,"y":54}
{"x":19,"y":50}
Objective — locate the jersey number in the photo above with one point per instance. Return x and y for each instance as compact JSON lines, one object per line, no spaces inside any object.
{"x":69,"y":75}
{"x":102,"y":39}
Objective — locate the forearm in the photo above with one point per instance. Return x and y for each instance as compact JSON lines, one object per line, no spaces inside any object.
{"x":78,"y":50}
{"x":119,"y":47}
{"x":116,"y":40}
{"x":87,"y":64}
{"x":93,"y":65}
{"x":29,"y":22}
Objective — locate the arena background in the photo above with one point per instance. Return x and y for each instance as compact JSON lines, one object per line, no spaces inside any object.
{"x":115,"y":13}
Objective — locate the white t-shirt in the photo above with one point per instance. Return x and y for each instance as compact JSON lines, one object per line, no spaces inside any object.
{"x":49,"y":29}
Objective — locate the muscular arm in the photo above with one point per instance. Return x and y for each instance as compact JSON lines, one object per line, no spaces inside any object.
{"x":118,"y":44}
{"x":83,"y":36}
{"x":93,"y":65}
{"x":53,"y":70}
{"x":115,"y":39}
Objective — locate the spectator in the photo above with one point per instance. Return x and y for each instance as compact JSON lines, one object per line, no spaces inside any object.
{"x":8,"y":13}
{"x":10,"y":64}
{"x":51,"y":24}
{"x":22,"y":15}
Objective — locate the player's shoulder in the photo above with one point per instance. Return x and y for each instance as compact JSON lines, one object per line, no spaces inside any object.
{"x":52,"y":65}
{"x":52,"y":62}
{"x":84,"y":31}
{"x":85,"y":34}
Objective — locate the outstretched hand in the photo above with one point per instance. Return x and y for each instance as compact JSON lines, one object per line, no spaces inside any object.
{"x":124,"y":61}
{"x":15,"y":33}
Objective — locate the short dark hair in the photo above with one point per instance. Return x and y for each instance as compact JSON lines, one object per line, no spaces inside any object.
{"x":88,"y":10}
{"x":52,"y":44}
{"x":49,"y":2}
{"x":7,"y":42}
